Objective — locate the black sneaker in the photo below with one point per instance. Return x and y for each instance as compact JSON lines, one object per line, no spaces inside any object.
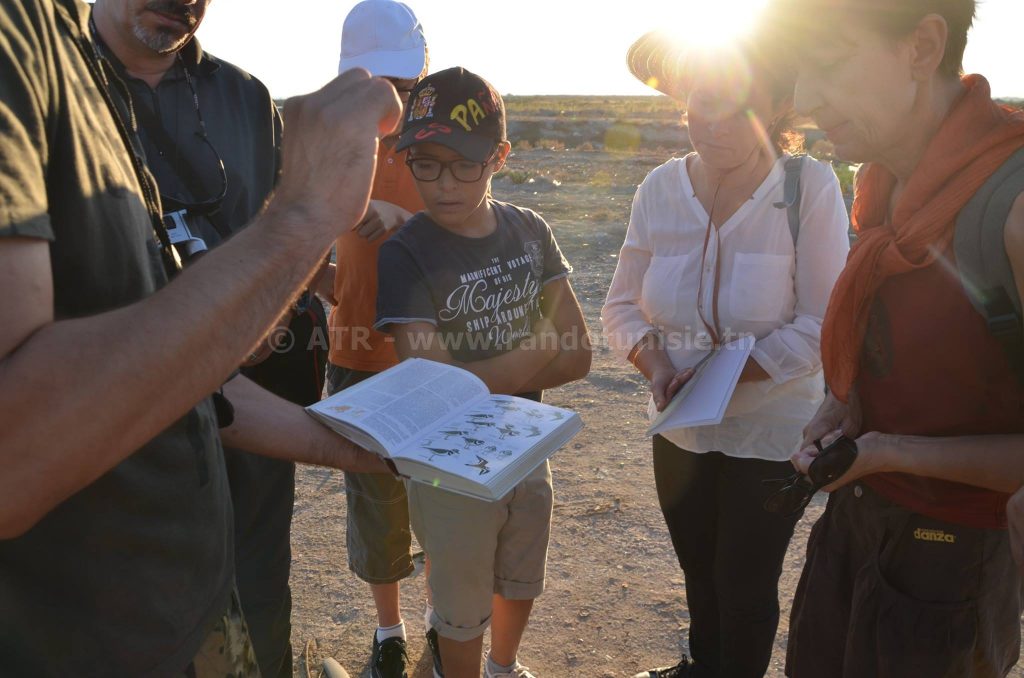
{"x":389,"y":658}
{"x":435,"y":651}
{"x":680,"y":670}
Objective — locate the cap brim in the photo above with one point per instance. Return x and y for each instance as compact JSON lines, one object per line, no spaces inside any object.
{"x":404,"y":64}
{"x":469,"y":146}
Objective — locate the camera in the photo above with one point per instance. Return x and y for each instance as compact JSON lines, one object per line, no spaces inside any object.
{"x":182,"y":227}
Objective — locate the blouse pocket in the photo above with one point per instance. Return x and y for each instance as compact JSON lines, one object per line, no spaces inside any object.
{"x":759,"y":286}
{"x":662,"y":293}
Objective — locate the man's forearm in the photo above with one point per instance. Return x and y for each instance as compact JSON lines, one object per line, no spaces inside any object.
{"x":268,"y":425}
{"x":78,"y":396}
{"x":995,"y":462}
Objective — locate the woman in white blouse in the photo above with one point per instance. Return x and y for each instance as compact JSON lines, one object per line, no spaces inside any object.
{"x":707,"y":258}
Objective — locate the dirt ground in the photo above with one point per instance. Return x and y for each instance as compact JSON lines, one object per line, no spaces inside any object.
{"x":615,"y":601}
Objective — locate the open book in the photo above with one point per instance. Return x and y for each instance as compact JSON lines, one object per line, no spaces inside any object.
{"x":441,"y":426}
{"x":702,"y":400}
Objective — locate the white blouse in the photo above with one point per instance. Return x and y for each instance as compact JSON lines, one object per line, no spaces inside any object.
{"x":768,"y":288}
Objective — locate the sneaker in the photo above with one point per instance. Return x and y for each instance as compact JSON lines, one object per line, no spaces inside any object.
{"x":388,"y":659}
{"x":435,"y":651}
{"x":680,"y":670}
{"x":518,"y":671}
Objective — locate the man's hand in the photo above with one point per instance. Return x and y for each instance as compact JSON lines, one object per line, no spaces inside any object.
{"x":381,"y":218}
{"x":666,"y":382}
{"x":268,"y":425}
{"x":349,"y":457}
{"x":329,"y":148}
{"x":833,"y":419}
{"x":1015,"y":517}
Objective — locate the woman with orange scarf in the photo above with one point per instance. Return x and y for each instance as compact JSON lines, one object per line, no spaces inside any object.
{"x":909,"y":571}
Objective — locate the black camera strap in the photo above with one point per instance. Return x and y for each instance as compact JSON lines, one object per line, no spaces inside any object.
{"x":123,"y":113}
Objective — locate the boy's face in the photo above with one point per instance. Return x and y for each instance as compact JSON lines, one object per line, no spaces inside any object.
{"x":455,"y":204}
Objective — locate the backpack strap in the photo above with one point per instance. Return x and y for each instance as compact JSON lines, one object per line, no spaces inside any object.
{"x":791,"y":195}
{"x":985,"y":271}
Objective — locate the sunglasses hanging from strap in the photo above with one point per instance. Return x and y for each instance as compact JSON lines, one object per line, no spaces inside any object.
{"x":185,"y":170}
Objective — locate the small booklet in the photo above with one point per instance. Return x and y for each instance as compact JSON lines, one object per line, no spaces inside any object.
{"x":702,"y":400}
{"x":441,"y":426}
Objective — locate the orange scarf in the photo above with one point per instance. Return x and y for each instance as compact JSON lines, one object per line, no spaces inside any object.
{"x":976,"y":138}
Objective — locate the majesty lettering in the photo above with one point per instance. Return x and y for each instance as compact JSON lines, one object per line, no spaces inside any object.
{"x":477,"y":298}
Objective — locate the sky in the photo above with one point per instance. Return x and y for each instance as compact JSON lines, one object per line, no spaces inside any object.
{"x":539,"y":47}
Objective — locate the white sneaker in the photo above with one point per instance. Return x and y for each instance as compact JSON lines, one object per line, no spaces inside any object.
{"x":518,"y":671}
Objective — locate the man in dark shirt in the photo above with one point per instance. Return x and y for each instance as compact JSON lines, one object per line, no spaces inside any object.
{"x":115,"y":555}
{"x":210,"y":133}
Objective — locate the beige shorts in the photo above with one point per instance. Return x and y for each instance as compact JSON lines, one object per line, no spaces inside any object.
{"x":478,"y":548}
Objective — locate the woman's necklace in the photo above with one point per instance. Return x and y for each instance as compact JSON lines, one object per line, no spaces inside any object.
{"x":712,"y":325}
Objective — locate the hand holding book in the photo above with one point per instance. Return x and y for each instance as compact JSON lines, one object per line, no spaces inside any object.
{"x":439,"y":425}
{"x":705,"y":395}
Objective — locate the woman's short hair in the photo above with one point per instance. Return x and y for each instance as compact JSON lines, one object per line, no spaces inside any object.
{"x":893,"y":19}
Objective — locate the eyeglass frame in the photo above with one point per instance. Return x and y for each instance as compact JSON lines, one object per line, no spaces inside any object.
{"x":201,"y":207}
{"x":403,"y":90}
{"x":210,"y":205}
{"x":447,"y":164}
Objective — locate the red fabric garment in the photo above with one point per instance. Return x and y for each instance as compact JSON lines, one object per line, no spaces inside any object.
{"x":976,"y":138}
{"x":931,"y":367}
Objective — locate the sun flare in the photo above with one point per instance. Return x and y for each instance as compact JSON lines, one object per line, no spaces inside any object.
{"x":710,"y":22}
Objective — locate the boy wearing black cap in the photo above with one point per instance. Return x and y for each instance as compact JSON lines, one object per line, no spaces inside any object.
{"x":480,"y":284}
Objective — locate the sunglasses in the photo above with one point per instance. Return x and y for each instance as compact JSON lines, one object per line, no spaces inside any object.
{"x":796,"y":491}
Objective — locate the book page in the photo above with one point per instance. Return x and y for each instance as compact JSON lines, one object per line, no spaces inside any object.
{"x":485,"y":439}
{"x":704,"y":399}
{"x":397,"y":405}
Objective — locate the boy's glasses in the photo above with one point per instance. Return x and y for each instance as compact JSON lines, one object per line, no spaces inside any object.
{"x":795,"y":492}
{"x":429,"y":169}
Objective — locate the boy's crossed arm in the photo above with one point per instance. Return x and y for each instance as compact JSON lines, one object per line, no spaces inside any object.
{"x":559,"y":353}
{"x":558,"y":303}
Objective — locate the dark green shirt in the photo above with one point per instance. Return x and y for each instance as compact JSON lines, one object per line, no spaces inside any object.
{"x":123,"y":578}
{"x":243,"y":127}
{"x":241,"y":123}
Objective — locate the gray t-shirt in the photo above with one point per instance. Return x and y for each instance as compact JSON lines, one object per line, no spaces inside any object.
{"x":482,"y":294}
{"x":124,"y":577}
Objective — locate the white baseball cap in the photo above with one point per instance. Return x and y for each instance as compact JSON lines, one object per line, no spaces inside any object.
{"x":385,"y":38}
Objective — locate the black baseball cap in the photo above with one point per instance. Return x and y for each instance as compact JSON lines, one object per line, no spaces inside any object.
{"x":457,"y":109}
